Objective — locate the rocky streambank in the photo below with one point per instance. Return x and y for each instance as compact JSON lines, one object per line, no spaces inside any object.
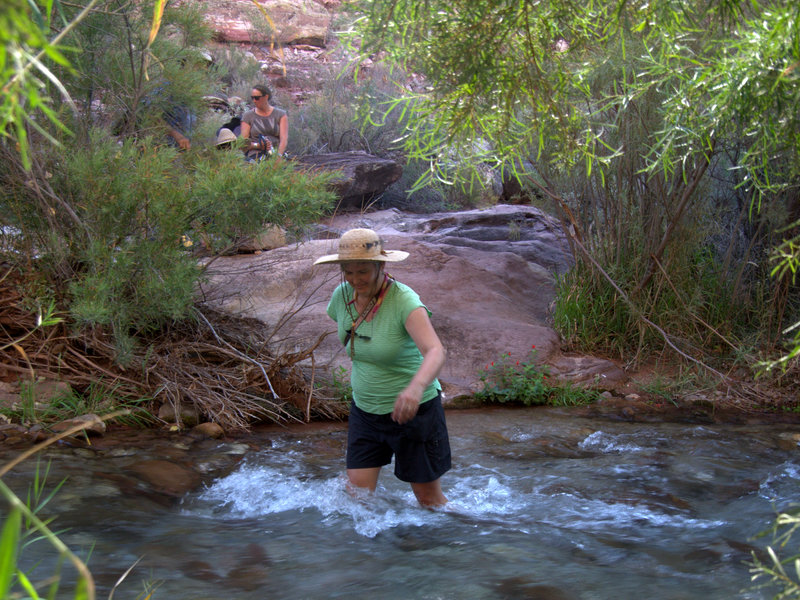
{"x":487,"y":275}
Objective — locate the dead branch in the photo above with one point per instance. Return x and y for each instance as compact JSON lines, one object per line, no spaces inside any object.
{"x":220,"y":364}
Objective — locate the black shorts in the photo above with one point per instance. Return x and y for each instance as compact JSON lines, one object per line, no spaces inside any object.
{"x":420,"y":447}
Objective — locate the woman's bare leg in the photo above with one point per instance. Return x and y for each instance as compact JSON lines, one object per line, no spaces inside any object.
{"x":429,"y":494}
{"x":363,"y":478}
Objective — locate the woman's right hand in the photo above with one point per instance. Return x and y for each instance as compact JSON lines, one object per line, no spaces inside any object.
{"x":262,"y":144}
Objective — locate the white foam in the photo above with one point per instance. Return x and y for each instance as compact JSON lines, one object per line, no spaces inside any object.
{"x":476,"y":494}
{"x":598,"y":515}
{"x":781,"y":485}
{"x":608,"y":444}
{"x":256,"y":491}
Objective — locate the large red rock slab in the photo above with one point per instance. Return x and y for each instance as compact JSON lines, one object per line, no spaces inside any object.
{"x":289,"y":22}
{"x":483,"y":306}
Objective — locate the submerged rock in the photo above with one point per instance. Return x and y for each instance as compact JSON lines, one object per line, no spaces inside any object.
{"x":167,"y":477}
{"x":211,"y":430}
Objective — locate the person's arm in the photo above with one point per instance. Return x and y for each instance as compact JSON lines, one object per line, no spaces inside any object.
{"x":420,"y":328}
{"x":244,"y":132}
{"x":182,"y":141}
{"x":284,"y":131}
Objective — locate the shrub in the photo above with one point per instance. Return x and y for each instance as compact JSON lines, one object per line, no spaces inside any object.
{"x":231,"y":199}
{"x":525,"y":382}
{"x":704,"y":312}
{"x":347,"y":113}
{"x":120,"y":256}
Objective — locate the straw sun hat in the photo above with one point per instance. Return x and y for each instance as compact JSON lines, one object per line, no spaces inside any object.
{"x":225,"y":136}
{"x":361,"y":245}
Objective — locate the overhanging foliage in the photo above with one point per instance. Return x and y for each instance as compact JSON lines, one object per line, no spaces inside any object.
{"x":635,"y":118}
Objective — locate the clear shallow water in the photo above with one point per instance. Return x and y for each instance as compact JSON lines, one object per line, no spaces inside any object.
{"x":542,"y":505}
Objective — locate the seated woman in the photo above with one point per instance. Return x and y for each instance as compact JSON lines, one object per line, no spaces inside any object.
{"x":267,"y":127}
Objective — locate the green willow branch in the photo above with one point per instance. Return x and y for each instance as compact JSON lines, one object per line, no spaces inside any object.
{"x":37,"y":59}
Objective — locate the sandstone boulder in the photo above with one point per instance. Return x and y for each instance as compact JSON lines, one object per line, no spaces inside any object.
{"x":487,"y":299}
{"x":525,"y":231}
{"x":270,"y":238}
{"x":185,"y":415}
{"x":294,"y":21}
{"x":360,"y":176}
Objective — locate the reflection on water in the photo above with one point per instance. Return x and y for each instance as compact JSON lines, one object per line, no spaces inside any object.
{"x":542,"y":505}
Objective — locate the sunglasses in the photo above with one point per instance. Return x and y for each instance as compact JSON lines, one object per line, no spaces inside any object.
{"x":358,"y":335}
{"x":257,"y":97}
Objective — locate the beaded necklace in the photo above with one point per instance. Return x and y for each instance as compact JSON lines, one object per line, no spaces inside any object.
{"x":369,"y":311}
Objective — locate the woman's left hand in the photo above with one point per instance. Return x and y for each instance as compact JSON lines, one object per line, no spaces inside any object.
{"x":419,"y":327}
{"x":407,"y":404}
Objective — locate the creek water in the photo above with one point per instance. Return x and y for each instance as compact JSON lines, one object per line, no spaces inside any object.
{"x":543,"y":504}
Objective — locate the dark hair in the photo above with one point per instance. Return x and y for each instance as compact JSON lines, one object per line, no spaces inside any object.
{"x":264,"y":89}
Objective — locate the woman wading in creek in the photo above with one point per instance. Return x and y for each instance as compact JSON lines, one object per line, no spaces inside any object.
{"x":397,"y":405}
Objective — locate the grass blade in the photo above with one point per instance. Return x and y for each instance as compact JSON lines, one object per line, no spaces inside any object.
{"x":9,"y":542}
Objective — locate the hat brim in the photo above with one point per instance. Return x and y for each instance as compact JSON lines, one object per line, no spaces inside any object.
{"x":386,"y":256}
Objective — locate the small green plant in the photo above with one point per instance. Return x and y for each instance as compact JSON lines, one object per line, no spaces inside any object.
{"x":567,"y":394}
{"x":667,"y":388}
{"x":777,"y":573}
{"x":526,"y":382}
{"x":26,"y":409}
{"x":507,"y":381}
{"x":341,"y":385}
{"x":102,"y":400}
{"x":662,"y":389}
{"x":97,"y":399}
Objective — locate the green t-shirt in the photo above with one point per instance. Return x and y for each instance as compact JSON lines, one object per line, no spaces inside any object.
{"x":384,"y":364}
